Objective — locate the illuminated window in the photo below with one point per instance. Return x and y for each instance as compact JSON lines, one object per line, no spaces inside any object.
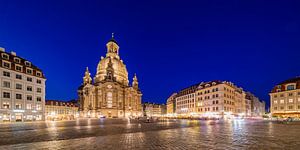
{"x":18,"y":106}
{"x":281,"y":101}
{"x":38,"y":107}
{"x":6,"y":105}
{"x":275,"y":102}
{"x":109,"y":99}
{"x":28,"y":106}
{"x":290,"y":100}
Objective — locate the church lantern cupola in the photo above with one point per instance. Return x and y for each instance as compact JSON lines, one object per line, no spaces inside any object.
{"x":112,"y":48}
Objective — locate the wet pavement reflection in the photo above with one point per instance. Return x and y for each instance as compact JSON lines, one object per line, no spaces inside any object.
{"x":168,"y":134}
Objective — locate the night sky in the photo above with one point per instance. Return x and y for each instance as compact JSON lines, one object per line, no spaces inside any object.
{"x":170,"y":44}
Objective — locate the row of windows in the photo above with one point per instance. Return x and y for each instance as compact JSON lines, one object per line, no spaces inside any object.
{"x":186,"y":97}
{"x":208,"y":97}
{"x":208,"y":91}
{"x":288,"y":87}
{"x":61,"y":111}
{"x":208,"y":109}
{"x":185,"y":102}
{"x":18,"y":76}
{"x":16,"y":59}
{"x":282,"y":101}
{"x":186,"y":106}
{"x":6,"y":105}
{"x":289,"y":94}
{"x":20,"y":69}
{"x":228,"y":102}
{"x":20,"y":96}
{"x":289,"y":107}
{"x":7,"y":84}
{"x":228,"y":90}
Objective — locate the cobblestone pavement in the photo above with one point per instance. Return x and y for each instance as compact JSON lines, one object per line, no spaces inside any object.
{"x":180,"y":134}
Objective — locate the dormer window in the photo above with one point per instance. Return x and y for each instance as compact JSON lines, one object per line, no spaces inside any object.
{"x":17,"y":60}
{"x":6,"y":64}
{"x":29,"y":71}
{"x":5,"y":56}
{"x":290,"y":87}
{"x":214,"y":83}
{"x":38,"y":74}
{"x":207,"y":85}
{"x":27,"y":63}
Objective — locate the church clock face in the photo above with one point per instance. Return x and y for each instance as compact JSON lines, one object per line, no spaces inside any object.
{"x":109,"y":86}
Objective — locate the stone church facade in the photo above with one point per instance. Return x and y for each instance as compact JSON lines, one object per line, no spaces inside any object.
{"x":109,"y":94}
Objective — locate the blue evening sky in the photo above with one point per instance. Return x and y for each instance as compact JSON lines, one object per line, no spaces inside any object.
{"x":170,"y":44}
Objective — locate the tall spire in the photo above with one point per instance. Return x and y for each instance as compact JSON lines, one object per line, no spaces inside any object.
{"x":135,"y":83}
{"x":87,"y":77}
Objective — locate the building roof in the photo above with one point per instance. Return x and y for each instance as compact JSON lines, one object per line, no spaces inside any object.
{"x":188,"y":90}
{"x":203,"y":85}
{"x":282,"y":86}
{"x":22,"y":62}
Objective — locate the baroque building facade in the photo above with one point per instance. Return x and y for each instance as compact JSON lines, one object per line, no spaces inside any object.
{"x":109,"y":94}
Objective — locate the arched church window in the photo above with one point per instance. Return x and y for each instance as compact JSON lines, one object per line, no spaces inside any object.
{"x":109,"y":99}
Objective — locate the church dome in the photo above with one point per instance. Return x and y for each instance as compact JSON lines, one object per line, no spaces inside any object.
{"x":120,"y":71}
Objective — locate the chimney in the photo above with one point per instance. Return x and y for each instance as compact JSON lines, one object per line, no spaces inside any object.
{"x":13,"y":53}
{"x":2,"y":49}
